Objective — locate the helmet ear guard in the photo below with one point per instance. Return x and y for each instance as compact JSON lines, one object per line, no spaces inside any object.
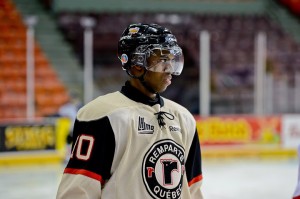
{"x":139,"y":59}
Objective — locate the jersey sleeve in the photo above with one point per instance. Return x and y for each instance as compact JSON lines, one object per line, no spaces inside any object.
{"x":91,"y":158}
{"x":194,"y":168}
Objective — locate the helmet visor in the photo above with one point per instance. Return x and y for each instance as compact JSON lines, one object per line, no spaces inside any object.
{"x":166,"y":60}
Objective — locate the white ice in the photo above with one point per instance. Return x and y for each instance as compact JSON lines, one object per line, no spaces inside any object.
{"x":222,"y":179}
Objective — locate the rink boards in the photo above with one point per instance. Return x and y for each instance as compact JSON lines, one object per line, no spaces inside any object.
{"x":44,"y":141}
{"x":27,"y":142}
{"x":249,"y":135}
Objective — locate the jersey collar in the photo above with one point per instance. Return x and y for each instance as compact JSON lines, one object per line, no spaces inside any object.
{"x":136,"y":95}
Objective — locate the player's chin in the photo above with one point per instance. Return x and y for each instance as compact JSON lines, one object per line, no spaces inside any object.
{"x":163,"y":87}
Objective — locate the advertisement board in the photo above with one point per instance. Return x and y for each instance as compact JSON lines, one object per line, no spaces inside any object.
{"x":239,"y":130}
{"x":27,"y":137}
{"x":31,"y":142}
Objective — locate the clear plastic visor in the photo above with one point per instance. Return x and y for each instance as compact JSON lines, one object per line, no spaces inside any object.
{"x":166,"y":60}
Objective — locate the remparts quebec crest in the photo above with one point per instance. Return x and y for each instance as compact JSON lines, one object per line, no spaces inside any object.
{"x":163,"y":169}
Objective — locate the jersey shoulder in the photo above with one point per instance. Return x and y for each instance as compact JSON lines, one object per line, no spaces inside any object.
{"x":177,"y":108}
{"x":103,"y":106}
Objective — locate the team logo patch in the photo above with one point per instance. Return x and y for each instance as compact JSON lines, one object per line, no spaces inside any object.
{"x":144,"y":128}
{"x":124,"y":58}
{"x":163,"y":170}
{"x":134,"y":30}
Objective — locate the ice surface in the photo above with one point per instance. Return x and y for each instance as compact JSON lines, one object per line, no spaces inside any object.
{"x":222,"y":179}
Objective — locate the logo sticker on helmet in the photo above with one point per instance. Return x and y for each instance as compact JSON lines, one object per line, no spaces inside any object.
{"x":124,"y":58}
{"x":163,"y":169}
{"x":134,"y":30}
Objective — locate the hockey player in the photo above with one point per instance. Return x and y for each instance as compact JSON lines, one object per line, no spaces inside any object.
{"x":133,"y":143}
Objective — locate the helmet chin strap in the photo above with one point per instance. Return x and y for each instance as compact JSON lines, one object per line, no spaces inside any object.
{"x":142,"y":80}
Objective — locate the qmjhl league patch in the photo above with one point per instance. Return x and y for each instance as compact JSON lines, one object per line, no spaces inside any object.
{"x":163,"y":169}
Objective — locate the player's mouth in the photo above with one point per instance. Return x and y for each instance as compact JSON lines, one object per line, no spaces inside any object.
{"x":167,"y":80}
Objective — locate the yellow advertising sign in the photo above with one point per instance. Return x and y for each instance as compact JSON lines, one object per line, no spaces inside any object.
{"x":30,"y":137}
{"x":239,"y":130}
{"x":216,"y":130}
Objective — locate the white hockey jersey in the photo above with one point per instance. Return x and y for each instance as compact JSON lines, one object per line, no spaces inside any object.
{"x":127,"y":146}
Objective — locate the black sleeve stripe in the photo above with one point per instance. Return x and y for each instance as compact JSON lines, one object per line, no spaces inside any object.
{"x":102,"y":151}
{"x":193,"y":163}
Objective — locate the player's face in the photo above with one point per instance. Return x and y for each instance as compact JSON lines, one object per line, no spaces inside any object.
{"x":158,"y":81}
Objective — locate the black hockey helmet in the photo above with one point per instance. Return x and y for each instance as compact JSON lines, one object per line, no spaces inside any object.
{"x":139,"y":41}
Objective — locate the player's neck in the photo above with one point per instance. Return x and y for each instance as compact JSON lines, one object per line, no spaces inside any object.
{"x":139,"y":86}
